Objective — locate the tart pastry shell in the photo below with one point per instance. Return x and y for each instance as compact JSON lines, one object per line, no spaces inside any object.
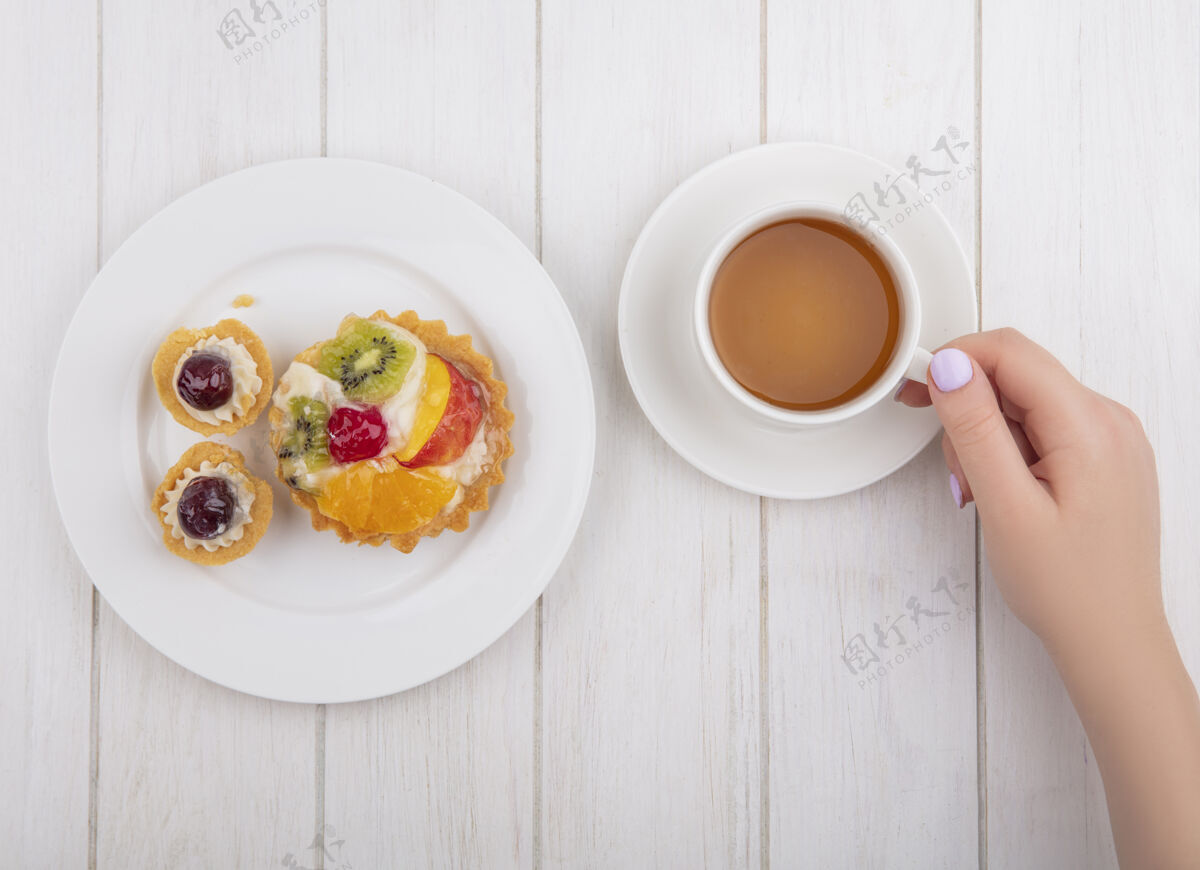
{"x":497,"y":421}
{"x":177,"y":343}
{"x":260,"y":510}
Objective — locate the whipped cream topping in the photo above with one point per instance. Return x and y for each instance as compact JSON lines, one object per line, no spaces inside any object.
{"x":467,"y":468}
{"x":243,"y":493}
{"x":246,"y":382}
{"x":400,"y":411}
{"x":302,"y":379}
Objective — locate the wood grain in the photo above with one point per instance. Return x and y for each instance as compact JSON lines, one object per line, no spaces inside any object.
{"x":684,"y":701}
{"x":1036,"y":750}
{"x":651,"y":752}
{"x":1090,"y":221}
{"x":442,"y":776}
{"x":47,"y":256}
{"x":874,"y":767}
{"x":191,"y":774}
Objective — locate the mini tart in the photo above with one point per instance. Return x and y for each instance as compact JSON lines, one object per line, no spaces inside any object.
{"x":496,"y":422}
{"x":179,"y":342}
{"x":252,"y":530}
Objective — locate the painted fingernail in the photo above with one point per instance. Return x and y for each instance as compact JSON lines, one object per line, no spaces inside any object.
{"x":951,"y":369}
{"x":899,"y":389}
{"x":956,"y":489}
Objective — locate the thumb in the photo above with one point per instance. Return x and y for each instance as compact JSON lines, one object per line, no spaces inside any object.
{"x":990,"y":458}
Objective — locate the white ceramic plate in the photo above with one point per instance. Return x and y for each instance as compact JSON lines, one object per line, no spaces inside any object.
{"x":304,"y":617}
{"x":702,"y":422}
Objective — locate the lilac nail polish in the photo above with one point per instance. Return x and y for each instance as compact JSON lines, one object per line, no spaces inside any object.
{"x":951,"y":369}
{"x":899,"y":389}
{"x":956,"y":489}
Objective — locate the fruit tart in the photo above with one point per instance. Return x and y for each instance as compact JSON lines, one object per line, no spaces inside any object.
{"x":212,"y":509}
{"x":214,"y":380}
{"x":391,"y":431}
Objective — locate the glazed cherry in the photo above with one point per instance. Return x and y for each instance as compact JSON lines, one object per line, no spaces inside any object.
{"x":206,"y":507}
{"x":205,"y":381}
{"x":356,"y":433}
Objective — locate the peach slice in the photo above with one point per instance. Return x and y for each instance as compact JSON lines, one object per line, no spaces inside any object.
{"x":457,"y":427}
{"x":432,"y":407}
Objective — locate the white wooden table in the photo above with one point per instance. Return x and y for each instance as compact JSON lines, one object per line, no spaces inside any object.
{"x":687,"y":693}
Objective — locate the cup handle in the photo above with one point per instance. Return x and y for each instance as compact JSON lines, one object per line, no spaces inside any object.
{"x":919,"y":365}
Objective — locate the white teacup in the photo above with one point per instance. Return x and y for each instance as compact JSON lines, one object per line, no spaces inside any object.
{"x":909,"y":360}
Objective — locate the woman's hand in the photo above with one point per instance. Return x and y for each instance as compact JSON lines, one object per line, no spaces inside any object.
{"x":1067,"y":493}
{"x":1063,"y":479}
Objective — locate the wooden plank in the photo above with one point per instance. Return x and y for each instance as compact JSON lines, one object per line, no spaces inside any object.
{"x":441,"y":776}
{"x":882,"y":772}
{"x":1140,"y":260}
{"x":651,"y":717}
{"x":1090,"y":221}
{"x":47,"y":257}
{"x":1036,"y":770}
{"x":191,"y":774}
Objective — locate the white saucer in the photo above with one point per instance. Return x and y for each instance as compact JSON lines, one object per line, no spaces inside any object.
{"x":683,"y":401}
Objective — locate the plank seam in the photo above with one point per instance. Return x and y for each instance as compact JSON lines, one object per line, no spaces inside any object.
{"x":536,"y":846}
{"x":538,"y":712}
{"x":319,"y":803}
{"x":762,"y":71}
{"x":321,"y":711}
{"x":537,"y":129}
{"x":324,"y":90}
{"x":764,"y":707}
{"x":980,"y":673}
{"x":94,"y":677}
{"x":94,"y":734}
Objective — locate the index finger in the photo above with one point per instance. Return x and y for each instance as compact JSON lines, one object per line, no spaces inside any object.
{"x":1053,"y":405}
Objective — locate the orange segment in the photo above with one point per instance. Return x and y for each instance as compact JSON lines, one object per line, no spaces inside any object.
{"x":347,"y":495}
{"x":404,"y":499}
{"x":379,"y":495}
{"x":433,"y":405}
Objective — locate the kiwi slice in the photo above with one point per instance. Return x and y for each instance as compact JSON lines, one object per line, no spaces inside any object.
{"x":305,"y":446}
{"x":368,"y":360}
